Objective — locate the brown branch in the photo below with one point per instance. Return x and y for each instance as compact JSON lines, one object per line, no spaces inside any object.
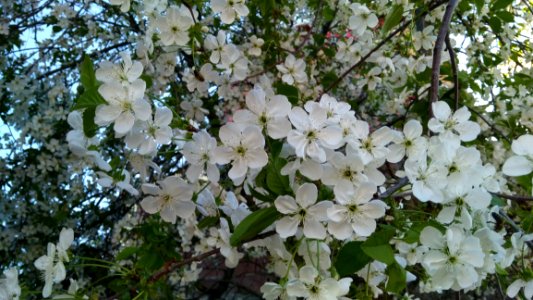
{"x":400,"y":29}
{"x":437,"y":54}
{"x":513,"y":197}
{"x":172,"y":265}
{"x":454,"y":70}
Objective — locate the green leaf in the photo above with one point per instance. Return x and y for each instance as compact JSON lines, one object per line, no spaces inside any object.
{"x":275,"y":146}
{"x":254,"y":224}
{"x":393,"y":18}
{"x":377,"y":246}
{"x":505,"y":16}
{"x":351,"y":259}
{"x":288,"y":90}
{"x":497,"y":201}
{"x":89,"y":127}
{"x":207,"y":222}
{"x":87,"y":75}
{"x":277,"y":183}
{"x":148,"y":79}
{"x":127,"y":253}
{"x":500,"y":4}
{"x":89,"y":99}
{"x":479,"y":4}
{"x":397,"y":278}
{"x":328,"y":79}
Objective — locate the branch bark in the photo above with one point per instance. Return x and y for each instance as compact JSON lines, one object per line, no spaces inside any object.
{"x":437,"y":53}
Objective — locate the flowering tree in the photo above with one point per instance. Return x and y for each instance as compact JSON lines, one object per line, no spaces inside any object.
{"x":168,"y":149}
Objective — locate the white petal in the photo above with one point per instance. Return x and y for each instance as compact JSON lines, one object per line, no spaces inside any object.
{"x":287,"y":226}
{"x":517,"y":166}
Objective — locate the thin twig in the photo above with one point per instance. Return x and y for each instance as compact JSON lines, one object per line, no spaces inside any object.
{"x":401,"y":183}
{"x":493,"y":127}
{"x":454,"y":70}
{"x":502,"y":215}
{"x":437,"y":53}
{"x":513,"y":197}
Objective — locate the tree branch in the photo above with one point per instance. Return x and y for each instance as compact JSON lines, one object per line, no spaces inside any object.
{"x":400,"y":184}
{"x":513,"y":197}
{"x":454,"y":70}
{"x":172,"y":265}
{"x":503,"y":216}
{"x":437,"y":53}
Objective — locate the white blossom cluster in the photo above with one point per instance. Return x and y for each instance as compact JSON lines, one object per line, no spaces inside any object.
{"x":238,"y":131}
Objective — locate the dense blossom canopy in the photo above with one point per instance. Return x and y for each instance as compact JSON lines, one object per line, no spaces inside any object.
{"x":316,"y":149}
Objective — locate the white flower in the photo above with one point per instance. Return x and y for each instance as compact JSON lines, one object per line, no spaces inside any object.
{"x":229,"y":9}
{"x":424,"y":39}
{"x":200,"y":156}
{"x":457,"y":123}
{"x":521,"y":163}
{"x":312,"y":133}
{"x":126,"y":73}
{"x":52,"y":267}
{"x":452,"y":258}
{"x":66,"y":237}
{"x":463,"y":199}
{"x":427,"y":180}
{"x":274,"y":291}
{"x":269,"y":113}
{"x":355,"y":213}
{"x":312,"y":285}
{"x":373,"y":147}
{"x":255,"y":46}
{"x":411,"y":144}
{"x":514,"y":288}
{"x":293,"y":70}
{"x":174,"y":26}
{"x":220,"y":238}
{"x":215,"y":45}
{"x":233,"y":62}
{"x":335,"y":110}
{"x":123,"y":184}
{"x":125,"y":105}
{"x":194,"y":109}
{"x":172,"y":198}
{"x":302,"y":210}
{"x":361,"y":19}
{"x":78,"y":143}
{"x":148,"y":135}
{"x":244,"y":146}
{"x":9,"y":286}
{"x":234,"y":209}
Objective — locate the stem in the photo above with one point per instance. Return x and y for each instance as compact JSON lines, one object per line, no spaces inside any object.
{"x":437,"y":53}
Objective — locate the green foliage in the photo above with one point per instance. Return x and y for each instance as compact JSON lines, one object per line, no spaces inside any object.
{"x":392,"y":19}
{"x":89,"y":98}
{"x":351,"y":258}
{"x":396,"y":278}
{"x":253,"y":224}
{"x":377,"y":246}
